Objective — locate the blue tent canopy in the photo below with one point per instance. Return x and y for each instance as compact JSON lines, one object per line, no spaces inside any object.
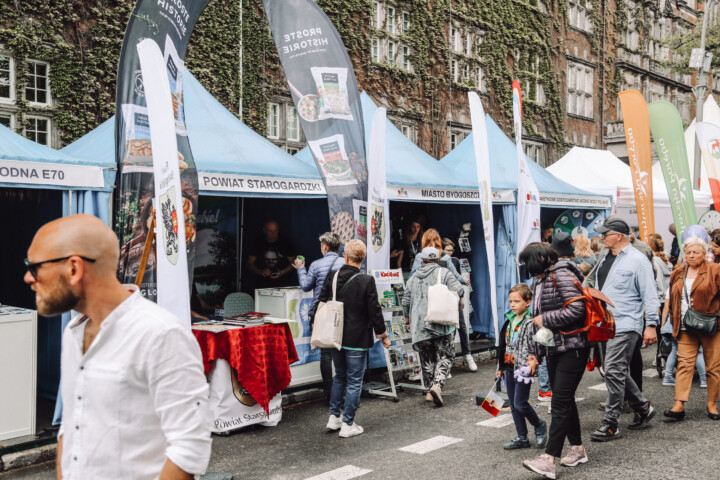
{"x":504,"y":171}
{"x":407,"y":165}
{"x":232,"y":160}
{"x":27,"y":164}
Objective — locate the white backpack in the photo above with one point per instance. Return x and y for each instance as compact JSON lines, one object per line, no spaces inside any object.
{"x":442,"y":304}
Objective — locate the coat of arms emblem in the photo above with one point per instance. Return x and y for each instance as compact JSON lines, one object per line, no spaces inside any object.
{"x":169,"y":221}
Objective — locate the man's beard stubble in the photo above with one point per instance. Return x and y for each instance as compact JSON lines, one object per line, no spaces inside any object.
{"x":60,"y":300}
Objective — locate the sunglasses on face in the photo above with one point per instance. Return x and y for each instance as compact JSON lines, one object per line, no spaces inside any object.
{"x":34,"y":266}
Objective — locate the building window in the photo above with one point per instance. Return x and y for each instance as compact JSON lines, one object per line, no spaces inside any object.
{"x":292,"y":129}
{"x":376,"y":14}
{"x":38,"y":130}
{"x":292,"y":150}
{"x":7,"y":76}
{"x":455,"y":43}
{"x":457,"y":136}
{"x":479,"y":78}
{"x":390,"y":20}
{"x":580,"y":15}
{"x":535,"y":151}
{"x":376,"y":50}
{"x":38,"y":88}
{"x":406,"y":58}
{"x":580,"y":90}
{"x":6,"y":119}
{"x":408,"y":131}
{"x":406,"y":22}
{"x":455,"y":71}
{"x":390,"y":53}
{"x":273,"y":120}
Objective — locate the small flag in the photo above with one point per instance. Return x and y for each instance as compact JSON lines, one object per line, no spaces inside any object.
{"x":492,"y":403}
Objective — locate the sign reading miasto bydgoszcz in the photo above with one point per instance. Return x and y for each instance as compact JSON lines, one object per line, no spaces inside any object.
{"x":36,"y":173}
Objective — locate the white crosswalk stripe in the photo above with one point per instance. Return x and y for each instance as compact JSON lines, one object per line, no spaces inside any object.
{"x":650,"y":372}
{"x":497,"y":422}
{"x":344,"y":473}
{"x":430,"y":444}
{"x":600,"y":386}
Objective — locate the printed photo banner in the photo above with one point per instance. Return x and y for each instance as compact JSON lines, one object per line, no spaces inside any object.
{"x":323,"y":86}
{"x":637,"y":138}
{"x":667,"y":131}
{"x":169,"y":23}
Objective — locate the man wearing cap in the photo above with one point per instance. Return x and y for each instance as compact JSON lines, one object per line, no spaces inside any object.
{"x":432,"y":341}
{"x":625,"y":276}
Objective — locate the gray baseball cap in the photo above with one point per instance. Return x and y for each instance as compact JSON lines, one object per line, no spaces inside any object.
{"x":615,"y":224}
{"x":430,"y":253}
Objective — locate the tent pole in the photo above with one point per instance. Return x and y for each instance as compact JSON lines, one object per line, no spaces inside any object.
{"x":507,"y":238}
{"x":241,"y":230}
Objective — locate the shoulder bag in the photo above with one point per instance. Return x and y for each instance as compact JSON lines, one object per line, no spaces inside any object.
{"x":329,"y":319}
{"x":442,"y":304}
{"x":696,"y":322}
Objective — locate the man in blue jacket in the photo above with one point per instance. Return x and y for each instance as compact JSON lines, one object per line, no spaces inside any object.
{"x":626,"y":277}
{"x":314,"y":278}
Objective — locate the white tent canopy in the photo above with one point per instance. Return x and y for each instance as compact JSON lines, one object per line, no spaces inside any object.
{"x":600,"y":171}
{"x":711,"y":114}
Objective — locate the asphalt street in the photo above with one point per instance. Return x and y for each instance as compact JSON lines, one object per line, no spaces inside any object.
{"x":452,"y":445}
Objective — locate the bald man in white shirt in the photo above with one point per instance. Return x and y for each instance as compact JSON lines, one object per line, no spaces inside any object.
{"x":132,"y":381}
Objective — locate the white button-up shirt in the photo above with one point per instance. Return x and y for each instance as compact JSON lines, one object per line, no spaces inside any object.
{"x":136,"y":398}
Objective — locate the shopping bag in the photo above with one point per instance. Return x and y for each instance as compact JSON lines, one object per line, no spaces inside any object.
{"x":442,"y":304}
{"x":328,"y":327}
{"x":492,"y":403}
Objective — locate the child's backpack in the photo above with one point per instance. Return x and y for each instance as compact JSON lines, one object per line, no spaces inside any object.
{"x":599,"y":320}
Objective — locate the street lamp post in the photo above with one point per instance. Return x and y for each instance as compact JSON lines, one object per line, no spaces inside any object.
{"x":699,"y":91}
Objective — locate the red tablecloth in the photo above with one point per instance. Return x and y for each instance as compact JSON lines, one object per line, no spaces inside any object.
{"x":260,"y":355}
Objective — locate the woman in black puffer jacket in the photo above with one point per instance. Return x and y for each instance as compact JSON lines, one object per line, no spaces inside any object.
{"x":555,"y":284}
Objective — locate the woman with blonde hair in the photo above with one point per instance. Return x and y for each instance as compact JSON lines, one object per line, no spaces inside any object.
{"x":596,"y":244}
{"x":583,"y":252}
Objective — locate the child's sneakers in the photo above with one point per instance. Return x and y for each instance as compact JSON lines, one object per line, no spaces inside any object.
{"x":541,"y":436}
{"x":517,"y":442}
{"x":545,"y":396}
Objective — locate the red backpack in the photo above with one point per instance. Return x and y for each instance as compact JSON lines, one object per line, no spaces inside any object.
{"x":599,"y":320}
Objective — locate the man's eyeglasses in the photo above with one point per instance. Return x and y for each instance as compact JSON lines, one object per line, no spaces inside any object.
{"x":607,"y":234}
{"x":33,"y":267}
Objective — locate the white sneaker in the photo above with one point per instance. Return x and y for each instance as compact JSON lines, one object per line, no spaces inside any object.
{"x":334,"y":423}
{"x":347,"y":431}
{"x":471,"y":363}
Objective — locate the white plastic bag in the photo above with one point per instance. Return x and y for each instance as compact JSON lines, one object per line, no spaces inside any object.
{"x":442,"y":304}
{"x":328,"y":325}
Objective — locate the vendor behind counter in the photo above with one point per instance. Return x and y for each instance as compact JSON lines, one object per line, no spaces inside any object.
{"x":270,"y":259}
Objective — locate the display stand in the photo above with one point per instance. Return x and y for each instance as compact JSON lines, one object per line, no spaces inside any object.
{"x":400,"y":356}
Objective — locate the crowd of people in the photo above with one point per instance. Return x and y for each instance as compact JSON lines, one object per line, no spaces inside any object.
{"x":148,"y":375}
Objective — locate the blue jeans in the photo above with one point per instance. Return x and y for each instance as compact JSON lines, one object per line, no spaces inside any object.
{"x":543,"y":377}
{"x":518,"y":396}
{"x":672,"y":361}
{"x":347,"y":384}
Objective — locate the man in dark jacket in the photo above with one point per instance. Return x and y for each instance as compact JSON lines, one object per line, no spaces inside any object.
{"x":314,"y":278}
{"x":362,"y":314}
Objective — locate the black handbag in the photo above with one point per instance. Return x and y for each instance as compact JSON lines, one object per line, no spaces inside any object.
{"x":696,"y":322}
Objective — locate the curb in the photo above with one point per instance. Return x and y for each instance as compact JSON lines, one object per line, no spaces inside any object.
{"x":26,"y":458}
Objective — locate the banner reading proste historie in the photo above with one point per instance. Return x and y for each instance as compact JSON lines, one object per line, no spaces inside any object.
{"x":637,"y":137}
{"x":323,"y":86}
{"x":169,"y":24}
{"x":528,"y":201}
{"x":667,"y":131}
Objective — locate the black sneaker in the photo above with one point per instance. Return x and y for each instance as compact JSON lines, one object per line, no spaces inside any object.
{"x":605,"y":433}
{"x":541,"y":436}
{"x":641,"y":420}
{"x":517,"y":442}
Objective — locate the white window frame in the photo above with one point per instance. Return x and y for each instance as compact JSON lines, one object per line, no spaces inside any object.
{"x":49,"y":129}
{"x":292,"y":150}
{"x":292,"y":118}
{"x":455,"y":39}
{"x":11,"y":98}
{"x":409,"y":131}
{"x":48,"y":97}
{"x":406,"y":52}
{"x":377,"y":15}
{"x":454,"y":70}
{"x":465,"y":73}
{"x":11,"y":116}
{"x":276,"y":106}
{"x":391,"y":56}
{"x":580,"y":90}
{"x":390,"y":19}
{"x":406,"y":22}
{"x":468,"y":44}
{"x":376,"y":51}
{"x":479,"y":78}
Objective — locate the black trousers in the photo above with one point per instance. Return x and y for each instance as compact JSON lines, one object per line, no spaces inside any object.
{"x":565,"y":371}
{"x":326,"y":370}
{"x":636,"y":365}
